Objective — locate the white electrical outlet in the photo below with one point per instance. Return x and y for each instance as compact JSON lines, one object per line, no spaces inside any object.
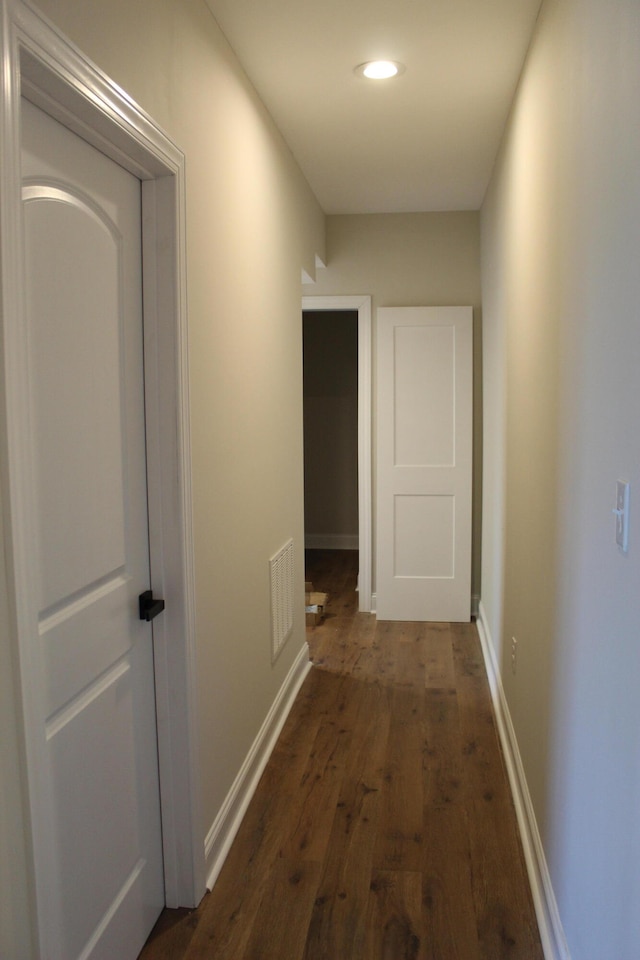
{"x":621,"y":513}
{"x":514,"y":655}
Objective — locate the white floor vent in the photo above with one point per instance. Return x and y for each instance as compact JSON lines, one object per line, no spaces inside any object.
{"x":282,"y":579}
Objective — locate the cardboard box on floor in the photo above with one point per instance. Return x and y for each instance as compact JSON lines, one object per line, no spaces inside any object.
{"x":315,"y":604}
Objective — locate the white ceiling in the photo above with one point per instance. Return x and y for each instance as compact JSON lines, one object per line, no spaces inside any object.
{"x":423,"y":141}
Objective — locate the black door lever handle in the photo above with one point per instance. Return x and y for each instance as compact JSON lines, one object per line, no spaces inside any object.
{"x":149,"y":607}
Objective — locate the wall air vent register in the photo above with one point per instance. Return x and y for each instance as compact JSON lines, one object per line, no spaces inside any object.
{"x":281,"y":568}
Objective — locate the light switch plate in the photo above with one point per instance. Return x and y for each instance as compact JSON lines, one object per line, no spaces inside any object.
{"x":622,"y":514}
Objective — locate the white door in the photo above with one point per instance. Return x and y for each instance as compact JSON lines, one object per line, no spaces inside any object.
{"x":100,"y":798}
{"x":424,"y":463}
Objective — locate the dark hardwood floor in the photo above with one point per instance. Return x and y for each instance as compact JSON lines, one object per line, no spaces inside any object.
{"x":383,"y":827}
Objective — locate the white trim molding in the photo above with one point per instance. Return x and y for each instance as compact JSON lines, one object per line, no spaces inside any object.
{"x":43,"y":66}
{"x":227,"y":822}
{"x":551,"y":933}
{"x":363,"y":306}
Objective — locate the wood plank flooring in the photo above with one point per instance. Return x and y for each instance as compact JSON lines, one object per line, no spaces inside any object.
{"x":383,"y":827}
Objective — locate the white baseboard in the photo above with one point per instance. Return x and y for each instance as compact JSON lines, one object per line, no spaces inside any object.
{"x":331,"y":541}
{"x":227,"y":822}
{"x":551,"y":933}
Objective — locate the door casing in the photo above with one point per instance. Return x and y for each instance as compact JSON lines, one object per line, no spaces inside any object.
{"x":40,"y":64}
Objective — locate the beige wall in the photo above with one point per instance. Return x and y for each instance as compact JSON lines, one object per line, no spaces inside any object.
{"x":252,"y":223}
{"x":561,"y":288}
{"x":331,"y":425}
{"x":405,"y":260}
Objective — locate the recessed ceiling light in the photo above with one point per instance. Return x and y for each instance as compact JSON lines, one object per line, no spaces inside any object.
{"x":380,"y":69}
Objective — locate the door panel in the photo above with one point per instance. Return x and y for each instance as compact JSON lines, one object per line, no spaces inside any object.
{"x":424,"y":415}
{"x":91,"y":553}
{"x":424,"y":379}
{"x":420,"y":520}
{"x":77,"y":428}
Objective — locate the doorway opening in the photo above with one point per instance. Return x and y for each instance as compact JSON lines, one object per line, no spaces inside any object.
{"x":354,"y":530}
{"x":330,"y":402}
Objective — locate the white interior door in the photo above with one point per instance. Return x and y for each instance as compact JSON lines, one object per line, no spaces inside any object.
{"x":424,"y":463}
{"x":90,"y":553}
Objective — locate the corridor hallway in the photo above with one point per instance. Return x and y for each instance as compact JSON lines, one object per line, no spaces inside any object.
{"x":383,"y":826}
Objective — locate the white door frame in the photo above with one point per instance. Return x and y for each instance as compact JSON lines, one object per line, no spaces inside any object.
{"x":363,"y":305}
{"x":39,"y":63}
